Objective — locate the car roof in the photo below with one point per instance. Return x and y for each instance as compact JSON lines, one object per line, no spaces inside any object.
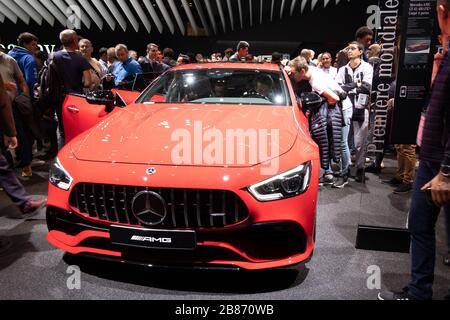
{"x":229,"y":65}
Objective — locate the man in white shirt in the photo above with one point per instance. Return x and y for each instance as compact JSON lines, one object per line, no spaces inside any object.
{"x":321,"y":84}
{"x":356,"y":79}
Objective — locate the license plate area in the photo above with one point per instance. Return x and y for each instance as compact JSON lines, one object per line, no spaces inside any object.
{"x":152,"y":238}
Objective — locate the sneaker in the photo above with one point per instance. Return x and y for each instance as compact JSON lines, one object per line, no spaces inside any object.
{"x":32,"y":207}
{"x":403,"y":188}
{"x":341,"y":182}
{"x":27,"y":172}
{"x":327,"y":179}
{"x":446,"y":260}
{"x":395,"y":182}
{"x":391,"y":295}
{"x":359,"y":177}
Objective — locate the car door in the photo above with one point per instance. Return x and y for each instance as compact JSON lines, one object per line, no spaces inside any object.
{"x":79,"y":115}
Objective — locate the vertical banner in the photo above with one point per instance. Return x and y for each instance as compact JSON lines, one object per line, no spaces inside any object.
{"x":388,"y":36}
{"x":418,"y":47}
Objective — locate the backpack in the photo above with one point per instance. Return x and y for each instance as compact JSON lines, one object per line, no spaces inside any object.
{"x":49,"y":91}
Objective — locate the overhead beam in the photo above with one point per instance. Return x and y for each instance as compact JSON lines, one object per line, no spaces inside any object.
{"x":190,"y":16}
{"x":272,"y":7}
{"x":40,"y":9}
{"x":211,"y":15}
{"x":230,"y":13}
{"x":106,"y":15}
{"x":17,"y":10}
{"x":283,"y":2}
{"x":154,"y":15}
{"x":240,"y":13}
{"x":221,"y":15}
{"x":63,"y":7}
{"x":92,"y":13}
{"x":294,"y":2}
{"x":261,"y":6}
{"x":250,"y":4}
{"x":8,"y":13}
{"x":313,"y":4}
{"x":116,"y":14}
{"x":137,"y":7}
{"x":57,"y":13}
{"x":30,"y":11}
{"x":303,"y":6}
{"x":202,"y":15}
{"x":78,"y":11}
{"x":177,"y":16}
{"x":166,"y":15}
{"x":126,"y":9}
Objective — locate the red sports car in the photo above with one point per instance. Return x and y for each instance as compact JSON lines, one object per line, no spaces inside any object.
{"x":212,"y":166}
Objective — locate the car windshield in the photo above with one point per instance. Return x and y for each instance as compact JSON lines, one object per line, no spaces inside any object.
{"x":219,"y":86}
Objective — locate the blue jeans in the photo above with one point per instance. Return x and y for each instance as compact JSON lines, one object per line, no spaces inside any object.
{"x":346,"y":155}
{"x":345,"y":149}
{"x":422,"y":221}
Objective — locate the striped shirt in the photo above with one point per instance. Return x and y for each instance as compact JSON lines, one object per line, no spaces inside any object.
{"x":435,"y":142}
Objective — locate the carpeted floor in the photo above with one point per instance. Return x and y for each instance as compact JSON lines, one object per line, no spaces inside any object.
{"x":33,"y":269}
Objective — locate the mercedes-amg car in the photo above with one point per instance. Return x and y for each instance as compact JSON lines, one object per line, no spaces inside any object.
{"x":211,"y":166}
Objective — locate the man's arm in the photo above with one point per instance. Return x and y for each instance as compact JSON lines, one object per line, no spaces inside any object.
{"x":30,"y":72}
{"x":440,"y":185}
{"x":23,"y":86}
{"x":87,"y":78}
{"x":6,"y":118}
{"x":331,"y":97}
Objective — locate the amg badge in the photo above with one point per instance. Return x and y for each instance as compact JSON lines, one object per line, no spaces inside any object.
{"x":151,"y":239}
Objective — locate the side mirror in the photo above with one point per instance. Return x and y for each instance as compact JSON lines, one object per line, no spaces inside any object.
{"x":102,"y":97}
{"x":310,"y":100}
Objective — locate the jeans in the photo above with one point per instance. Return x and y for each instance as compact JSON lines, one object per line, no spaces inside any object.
{"x":25,"y":139}
{"x":346,"y":155}
{"x":361,"y":133}
{"x":422,"y":221}
{"x":8,"y":181}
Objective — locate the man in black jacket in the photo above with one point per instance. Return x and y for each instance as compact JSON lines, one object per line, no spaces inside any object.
{"x":431,"y":189}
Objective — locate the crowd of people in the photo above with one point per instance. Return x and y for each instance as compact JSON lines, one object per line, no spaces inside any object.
{"x":33,"y":86}
{"x":342,"y":133}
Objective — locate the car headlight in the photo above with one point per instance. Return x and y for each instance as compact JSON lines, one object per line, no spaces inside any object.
{"x":286,"y":185}
{"x":59,"y":177}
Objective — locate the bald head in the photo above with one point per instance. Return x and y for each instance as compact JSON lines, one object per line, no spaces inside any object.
{"x":69,"y":38}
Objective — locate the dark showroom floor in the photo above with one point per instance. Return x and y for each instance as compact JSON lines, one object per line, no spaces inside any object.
{"x":33,"y":269}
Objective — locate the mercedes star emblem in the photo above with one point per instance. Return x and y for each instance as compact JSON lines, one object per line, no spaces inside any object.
{"x":149,"y":208}
{"x":150,"y":171}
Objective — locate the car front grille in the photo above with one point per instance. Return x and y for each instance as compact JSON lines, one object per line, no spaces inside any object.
{"x":185,"y":208}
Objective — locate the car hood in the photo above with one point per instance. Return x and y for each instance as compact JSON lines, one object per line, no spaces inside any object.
{"x":200,"y":135}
